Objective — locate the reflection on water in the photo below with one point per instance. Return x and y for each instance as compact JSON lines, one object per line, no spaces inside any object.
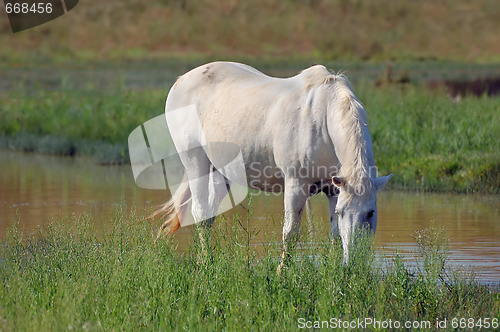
{"x":40,"y":188}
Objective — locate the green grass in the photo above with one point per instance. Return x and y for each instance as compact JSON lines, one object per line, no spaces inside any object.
{"x":66,"y":278}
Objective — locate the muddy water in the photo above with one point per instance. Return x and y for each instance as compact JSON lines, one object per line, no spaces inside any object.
{"x":37,"y":189}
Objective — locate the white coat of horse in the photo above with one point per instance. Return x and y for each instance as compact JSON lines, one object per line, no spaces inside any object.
{"x":300,"y":135}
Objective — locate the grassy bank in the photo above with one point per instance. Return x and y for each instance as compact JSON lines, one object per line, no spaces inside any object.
{"x":429,"y":141}
{"x":77,"y":122}
{"x":68,"y":279}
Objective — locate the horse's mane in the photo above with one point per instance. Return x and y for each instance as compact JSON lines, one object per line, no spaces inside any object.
{"x":355,"y":161}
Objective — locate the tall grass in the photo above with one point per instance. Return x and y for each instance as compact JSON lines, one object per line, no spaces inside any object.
{"x":66,"y":278}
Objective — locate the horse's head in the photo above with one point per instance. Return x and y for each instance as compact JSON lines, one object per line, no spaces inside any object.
{"x":357,"y":208}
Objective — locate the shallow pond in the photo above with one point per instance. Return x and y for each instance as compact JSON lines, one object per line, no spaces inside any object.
{"x":37,"y":188}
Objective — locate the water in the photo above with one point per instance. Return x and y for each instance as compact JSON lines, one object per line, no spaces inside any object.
{"x":38,"y":188}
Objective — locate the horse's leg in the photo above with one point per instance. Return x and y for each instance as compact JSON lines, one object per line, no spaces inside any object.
{"x":309,"y":215}
{"x":332,"y":204}
{"x":218,"y":188}
{"x":295,"y":198}
{"x":198,"y":169}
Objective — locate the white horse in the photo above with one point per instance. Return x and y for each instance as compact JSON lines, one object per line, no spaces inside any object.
{"x":300,"y":135}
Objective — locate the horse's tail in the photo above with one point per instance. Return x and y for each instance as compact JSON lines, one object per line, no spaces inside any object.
{"x":174,"y":209}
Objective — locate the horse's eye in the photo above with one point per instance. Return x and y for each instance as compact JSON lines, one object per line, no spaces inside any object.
{"x":370,"y":214}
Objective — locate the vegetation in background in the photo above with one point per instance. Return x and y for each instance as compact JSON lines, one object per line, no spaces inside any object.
{"x":384,"y":30}
{"x":432,"y":142}
{"x":66,"y":278}
{"x":78,"y":122}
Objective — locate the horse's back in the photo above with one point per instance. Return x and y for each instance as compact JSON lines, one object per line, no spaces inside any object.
{"x":277,"y":122}
{"x":233,"y":100}
{"x":216,"y":73}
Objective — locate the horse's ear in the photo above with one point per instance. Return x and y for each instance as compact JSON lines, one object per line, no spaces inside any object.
{"x":382,"y":181}
{"x":338,"y":181}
